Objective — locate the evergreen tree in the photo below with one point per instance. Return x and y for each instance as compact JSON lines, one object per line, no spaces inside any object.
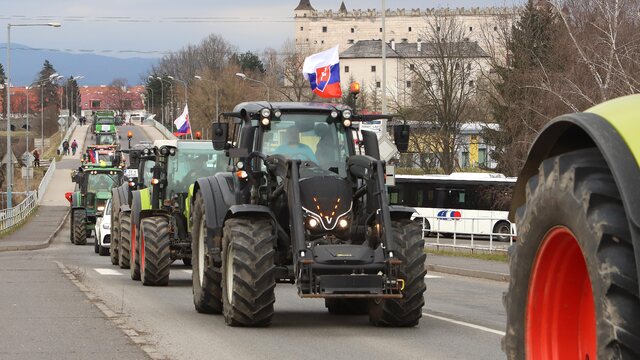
{"x":249,"y":62}
{"x":530,"y":49}
{"x":51,"y":98}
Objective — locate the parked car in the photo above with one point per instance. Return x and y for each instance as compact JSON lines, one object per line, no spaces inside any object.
{"x":102,"y":240}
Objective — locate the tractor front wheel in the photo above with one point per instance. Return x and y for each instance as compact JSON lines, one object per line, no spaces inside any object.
{"x":155,"y":251}
{"x":115,"y":238}
{"x":124,"y":243}
{"x":405,"y":312}
{"x":248,"y":271}
{"x":573,"y":292}
{"x":206,"y":277}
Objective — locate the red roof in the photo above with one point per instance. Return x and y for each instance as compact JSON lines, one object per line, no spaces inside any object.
{"x":104,"y":97}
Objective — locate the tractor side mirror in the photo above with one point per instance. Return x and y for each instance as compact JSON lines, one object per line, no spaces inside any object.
{"x":371,"y":147}
{"x":401,"y":137}
{"x":220,"y":133}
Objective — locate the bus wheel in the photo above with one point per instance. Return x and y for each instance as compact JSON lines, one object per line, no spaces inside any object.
{"x":573,"y":292}
{"x":502,"y":227}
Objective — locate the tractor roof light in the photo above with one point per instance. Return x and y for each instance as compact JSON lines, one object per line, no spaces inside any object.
{"x":346,"y":123}
{"x":346,"y":114}
{"x":277,"y":113}
{"x":265,"y":121}
{"x":334,"y":114}
{"x":172,"y":151}
{"x":242,"y":175}
{"x":354,"y":88}
{"x":265,"y":113}
{"x":155,"y":181}
{"x":132,"y":184}
{"x":129,"y":134}
{"x":164,"y":151}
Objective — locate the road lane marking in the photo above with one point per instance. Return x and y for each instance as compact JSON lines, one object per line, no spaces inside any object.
{"x":107,"y":271}
{"x":432,"y":277}
{"x":473,"y":326}
{"x":188,"y":271}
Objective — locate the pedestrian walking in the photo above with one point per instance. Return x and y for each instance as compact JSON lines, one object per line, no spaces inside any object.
{"x":36,"y":158}
{"x":65,"y":147}
{"x":74,"y":146}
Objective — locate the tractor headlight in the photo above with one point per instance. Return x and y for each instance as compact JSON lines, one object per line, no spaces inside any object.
{"x":106,"y":226}
{"x":265,"y":113}
{"x":343,"y":223}
{"x":313,"y":223}
{"x":155,"y":181}
{"x":346,"y":122}
{"x":346,"y":114}
{"x":164,"y":151}
{"x":265,"y":121}
{"x":100,"y":208}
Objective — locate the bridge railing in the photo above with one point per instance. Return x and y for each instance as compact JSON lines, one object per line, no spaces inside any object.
{"x":465,"y":233}
{"x":14,"y":216}
{"x":163,"y":130}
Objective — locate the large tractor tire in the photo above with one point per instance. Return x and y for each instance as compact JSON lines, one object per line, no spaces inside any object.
{"x":248,"y":271}
{"x":114,"y":252}
{"x":79,"y":227}
{"x":347,"y":306}
{"x":134,"y":260}
{"x":71,"y":239}
{"x":206,"y":277}
{"x":573,"y":292}
{"x":124,"y":243}
{"x":155,"y":251}
{"x":405,"y":312}
{"x":96,"y":247}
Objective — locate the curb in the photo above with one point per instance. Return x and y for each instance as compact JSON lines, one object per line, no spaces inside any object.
{"x":42,"y":245}
{"x":469,"y":273}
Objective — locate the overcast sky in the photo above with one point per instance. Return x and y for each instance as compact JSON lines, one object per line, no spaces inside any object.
{"x":123,"y":27}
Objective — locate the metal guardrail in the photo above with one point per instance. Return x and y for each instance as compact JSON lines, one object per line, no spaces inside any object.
{"x":470,"y":240}
{"x":15,"y":215}
{"x":163,"y":130}
{"x":46,"y":179}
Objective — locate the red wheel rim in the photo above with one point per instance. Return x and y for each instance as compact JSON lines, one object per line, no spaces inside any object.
{"x":561,"y":315}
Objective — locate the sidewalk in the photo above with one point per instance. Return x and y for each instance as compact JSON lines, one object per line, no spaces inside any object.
{"x":48,"y":218}
{"x":484,"y":269}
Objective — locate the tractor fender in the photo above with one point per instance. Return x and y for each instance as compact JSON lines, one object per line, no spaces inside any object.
{"x":76,"y":201}
{"x":248,"y":209}
{"x":401,"y":212}
{"x":583,"y":130}
{"x":140,"y":200}
{"x":218,"y":198}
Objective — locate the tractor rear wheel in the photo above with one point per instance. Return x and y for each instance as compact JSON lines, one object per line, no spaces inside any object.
{"x":155,"y":251}
{"x":347,"y":306}
{"x":206,"y":277}
{"x":573,"y":292}
{"x":405,"y":312}
{"x":124,"y":241}
{"x":79,"y":227}
{"x":248,"y":271}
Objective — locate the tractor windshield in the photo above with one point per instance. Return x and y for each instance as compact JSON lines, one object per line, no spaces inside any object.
{"x":193,"y":161}
{"x":308,"y":137}
{"x":101,"y":182}
{"x":105,"y":121}
{"x":106,"y":139}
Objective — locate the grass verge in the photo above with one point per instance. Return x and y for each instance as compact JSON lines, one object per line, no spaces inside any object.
{"x":18,"y":225}
{"x":481,"y":255}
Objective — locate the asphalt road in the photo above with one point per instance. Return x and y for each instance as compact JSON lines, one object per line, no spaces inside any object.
{"x":463,"y":317}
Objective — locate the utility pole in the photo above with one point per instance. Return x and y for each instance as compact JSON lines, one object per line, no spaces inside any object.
{"x":384,"y":58}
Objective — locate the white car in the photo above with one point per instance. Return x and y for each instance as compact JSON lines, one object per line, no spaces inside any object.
{"x":102,"y":240}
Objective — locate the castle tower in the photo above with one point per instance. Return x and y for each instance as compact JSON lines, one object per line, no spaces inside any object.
{"x":343,"y":8}
{"x":304,"y":9}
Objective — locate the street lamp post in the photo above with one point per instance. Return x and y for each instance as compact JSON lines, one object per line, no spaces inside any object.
{"x":151,"y":108}
{"x":9,"y":152}
{"x":198,"y":77}
{"x":245,"y":77}
{"x":186,"y":96}
{"x":28,"y":130}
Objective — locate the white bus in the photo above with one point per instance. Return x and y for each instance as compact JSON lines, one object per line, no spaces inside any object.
{"x":460,"y":203}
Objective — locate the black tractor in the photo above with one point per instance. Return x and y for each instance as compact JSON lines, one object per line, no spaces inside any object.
{"x":300,"y":206}
{"x":160,"y":216}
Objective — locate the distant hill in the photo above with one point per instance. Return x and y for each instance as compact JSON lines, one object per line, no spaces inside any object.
{"x":26,"y":62}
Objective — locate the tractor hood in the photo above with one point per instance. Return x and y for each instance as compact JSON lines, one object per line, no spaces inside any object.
{"x":326,"y":197}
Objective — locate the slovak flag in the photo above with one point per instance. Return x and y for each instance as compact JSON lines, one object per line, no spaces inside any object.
{"x":182,"y":123}
{"x":323,"y":72}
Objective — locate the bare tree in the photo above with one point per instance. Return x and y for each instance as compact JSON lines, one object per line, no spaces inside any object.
{"x":120,"y":101}
{"x":441,"y":97}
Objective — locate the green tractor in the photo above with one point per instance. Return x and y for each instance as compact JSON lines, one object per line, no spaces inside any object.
{"x":574,"y":289}
{"x":104,"y":121}
{"x":160,"y":216}
{"x":302,"y":206}
{"x":136,"y":176}
{"x":94,"y":185}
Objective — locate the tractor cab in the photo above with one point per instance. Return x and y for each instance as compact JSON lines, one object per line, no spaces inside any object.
{"x":107,"y":138}
{"x":107,"y":155}
{"x":95,"y":184}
